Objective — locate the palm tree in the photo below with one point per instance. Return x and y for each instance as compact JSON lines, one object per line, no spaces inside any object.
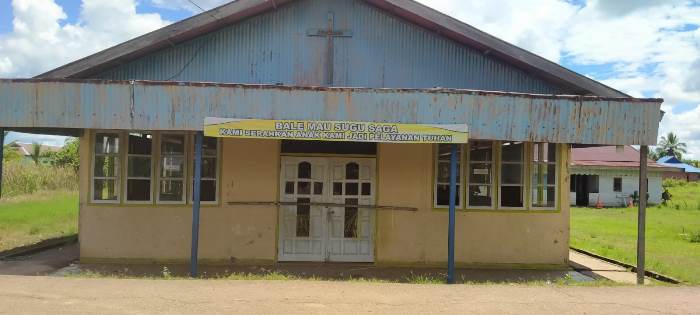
{"x":36,"y":152}
{"x":671,"y":145}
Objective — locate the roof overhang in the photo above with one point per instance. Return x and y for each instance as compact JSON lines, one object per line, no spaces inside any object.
{"x":652,"y":167}
{"x":147,"y":105}
{"x":409,"y":10}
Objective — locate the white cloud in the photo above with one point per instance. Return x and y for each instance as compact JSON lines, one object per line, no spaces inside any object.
{"x":41,"y":40}
{"x":647,"y":47}
{"x":187,"y":5}
{"x":622,"y":7}
{"x":536,"y":25}
{"x":690,"y":131}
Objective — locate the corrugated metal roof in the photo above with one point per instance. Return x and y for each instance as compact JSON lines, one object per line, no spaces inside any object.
{"x":682,"y":166}
{"x":26,"y":148}
{"x":144,"y":105}
{"x":608,"y":156}
{"x":672,"y":161}
{"x":669,"y":159}
{"x":384,"y":51}
{"x":406,"y":9}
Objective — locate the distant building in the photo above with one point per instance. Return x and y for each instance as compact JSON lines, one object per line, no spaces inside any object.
{"x":25,"y":150}
{"x":683,"y":171}
{"x":611,"y":175}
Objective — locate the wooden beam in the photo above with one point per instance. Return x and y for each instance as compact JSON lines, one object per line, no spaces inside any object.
{"x":641,"y":216}
{"x":194,"y":250}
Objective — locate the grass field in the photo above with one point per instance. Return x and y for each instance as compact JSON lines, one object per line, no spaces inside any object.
{"x":673,"y":234}
{"x":28,"y":219}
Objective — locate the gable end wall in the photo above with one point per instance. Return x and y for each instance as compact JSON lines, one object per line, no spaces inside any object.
{"x":383,"y":52}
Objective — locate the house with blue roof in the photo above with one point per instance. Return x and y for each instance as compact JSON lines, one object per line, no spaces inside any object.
{"x":688,"y":172}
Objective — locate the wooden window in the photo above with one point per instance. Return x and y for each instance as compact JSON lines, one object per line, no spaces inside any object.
{"x":210,"y":170}
{"x":480,"y":177}
{"x":617,"y":184}
{"x":139,"y":168}
{"x":105,"y":172}
{"x":171,"y":175}
{"x":442,"y":176}
{"x":544,"y":175}
{"x":512,"y":185}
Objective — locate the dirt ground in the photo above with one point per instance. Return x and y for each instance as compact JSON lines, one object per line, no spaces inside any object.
{"x":57,"y":295}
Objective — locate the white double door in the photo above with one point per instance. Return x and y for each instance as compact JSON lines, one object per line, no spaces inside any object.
{"x":321,"y":218}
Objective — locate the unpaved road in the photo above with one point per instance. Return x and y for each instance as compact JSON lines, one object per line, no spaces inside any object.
{"x":54,"y":295}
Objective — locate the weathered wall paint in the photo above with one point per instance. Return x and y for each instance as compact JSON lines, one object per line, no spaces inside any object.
{"x":248,"y":234}
{"x":482,"y":237}
{"x":170,"y":106}
{"x":238,"y":234}
{"x":384,"y":51}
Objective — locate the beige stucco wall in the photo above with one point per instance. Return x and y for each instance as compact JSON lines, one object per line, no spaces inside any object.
{"x":248,"y":234}
{"x":244,"y":234}
{"x":485,"y":237}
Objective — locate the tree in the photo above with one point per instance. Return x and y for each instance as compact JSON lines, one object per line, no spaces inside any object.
{"x":68,"y":156}
{"x":671,"y":145}
{"x":36,"y":152}
{"x":653,"y":155}
{"x":10,"y":154}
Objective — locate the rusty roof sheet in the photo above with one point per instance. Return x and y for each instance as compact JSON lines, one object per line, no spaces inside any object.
{"x":608,"y":156}
{"x":148,"y":105}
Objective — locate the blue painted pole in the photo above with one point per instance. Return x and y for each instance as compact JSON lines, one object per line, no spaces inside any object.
{"x":451,"y":226}
{"x":199,"y":138}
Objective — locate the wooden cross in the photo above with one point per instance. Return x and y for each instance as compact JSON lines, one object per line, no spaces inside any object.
{"x":329,"y":33}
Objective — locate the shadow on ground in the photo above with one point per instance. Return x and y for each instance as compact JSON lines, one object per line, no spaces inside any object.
{"x":41,"y":263}
{"x":62,"y":261}
{"x":330,"y":271}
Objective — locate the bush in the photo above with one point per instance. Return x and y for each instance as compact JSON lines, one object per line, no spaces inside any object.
{"x":26,"y":178}
{"x":68,"y":156}
{"x":694,"y":237}
{"x":672,"y":182}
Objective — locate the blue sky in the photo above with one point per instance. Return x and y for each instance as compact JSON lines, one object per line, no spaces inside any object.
{"x":646,"y":48}
{"x":72,"y":9}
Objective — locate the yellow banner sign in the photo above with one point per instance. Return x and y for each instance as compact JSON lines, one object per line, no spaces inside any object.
{"x":335,"y":131}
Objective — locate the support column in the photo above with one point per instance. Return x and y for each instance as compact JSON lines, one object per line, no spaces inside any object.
{"x":199,"y":138}
{"x":2,"y":155}
{"x":451,"y":225}
{"x":641,"y":219}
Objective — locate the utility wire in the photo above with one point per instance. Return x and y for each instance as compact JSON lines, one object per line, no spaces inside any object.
{"x":196,"y":5}
{"x":196,"y":52}
{"x":200,"y":7}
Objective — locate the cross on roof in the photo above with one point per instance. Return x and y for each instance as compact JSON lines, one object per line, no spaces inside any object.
{"x":329,"y":33}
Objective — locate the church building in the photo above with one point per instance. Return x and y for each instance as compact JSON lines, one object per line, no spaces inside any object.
{"x":270,"y":131}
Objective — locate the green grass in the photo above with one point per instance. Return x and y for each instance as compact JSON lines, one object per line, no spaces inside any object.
{"x":27,"y":178}
{"x":673,"y":231}
{"x":28,"y":219}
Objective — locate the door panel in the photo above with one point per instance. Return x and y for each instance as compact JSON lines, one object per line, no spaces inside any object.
{"x":302,"y":228}
{"x":351,"y":227}
{"x":327,"y":233}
